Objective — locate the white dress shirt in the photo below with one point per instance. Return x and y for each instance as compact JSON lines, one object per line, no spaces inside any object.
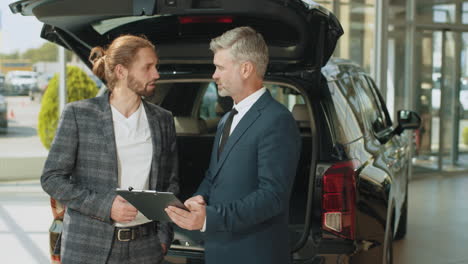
{"x":134,"y":153}
{"x":242,"y":108}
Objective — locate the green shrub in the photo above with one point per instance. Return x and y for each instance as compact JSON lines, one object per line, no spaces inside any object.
{"x":465,"y":136}
{"x":79,"y":86}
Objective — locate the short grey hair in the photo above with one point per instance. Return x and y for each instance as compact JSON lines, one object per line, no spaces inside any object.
{"x":245,"y":44}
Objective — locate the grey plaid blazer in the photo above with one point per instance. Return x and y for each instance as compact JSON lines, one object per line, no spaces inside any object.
{"x":81,"y":172}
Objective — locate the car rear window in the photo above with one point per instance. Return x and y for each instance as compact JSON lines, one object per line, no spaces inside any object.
{"x":370,"y":107}
{"x":344,"y":121}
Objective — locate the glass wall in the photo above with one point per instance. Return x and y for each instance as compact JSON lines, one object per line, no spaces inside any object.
{"x":396,"y":66}
{"x":441,"y":92}
{"x":463,"y":122}
{"x":465,"y":13}
{"x":427,"y":67}
{"x":358,"y":20}
{"x":427,"y":12}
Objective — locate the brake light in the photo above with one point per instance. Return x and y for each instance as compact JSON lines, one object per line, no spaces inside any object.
{"x":339,"y":199}
{"x":205,"y":19}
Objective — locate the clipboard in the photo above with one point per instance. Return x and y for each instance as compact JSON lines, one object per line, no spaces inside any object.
{"x":152,"y":203}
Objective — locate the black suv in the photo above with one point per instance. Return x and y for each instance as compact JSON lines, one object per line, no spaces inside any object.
{"x":350,"y":193}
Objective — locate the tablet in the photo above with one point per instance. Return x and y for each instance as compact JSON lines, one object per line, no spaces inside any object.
{"x":152,"y":203}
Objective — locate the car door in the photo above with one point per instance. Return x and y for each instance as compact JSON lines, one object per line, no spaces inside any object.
{"x":397,"y":149}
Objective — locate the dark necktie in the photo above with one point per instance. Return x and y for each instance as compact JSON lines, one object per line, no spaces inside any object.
{"x":227,"y":129}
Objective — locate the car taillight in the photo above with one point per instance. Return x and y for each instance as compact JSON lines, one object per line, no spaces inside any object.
{"x":339,"y":199}
{"x":205,"y":19}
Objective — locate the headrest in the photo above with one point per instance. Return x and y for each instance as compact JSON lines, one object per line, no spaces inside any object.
{"x":189,"y":125}
{"x":299,"y":112}
{"x":301,"y":115}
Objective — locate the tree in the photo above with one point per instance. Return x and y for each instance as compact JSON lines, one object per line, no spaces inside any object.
{"x":47,"y":52}
{"x":465,"y":135}
{"x":12,"y":56}
{"x":79,"y":86}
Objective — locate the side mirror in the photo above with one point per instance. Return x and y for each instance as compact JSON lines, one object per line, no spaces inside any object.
{"x":407,"y":120}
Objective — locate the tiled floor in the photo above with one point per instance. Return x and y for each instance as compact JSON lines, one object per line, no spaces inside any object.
{"x":25,"y":217}
{"x":437,"y":221}
{"x":438,"y":217}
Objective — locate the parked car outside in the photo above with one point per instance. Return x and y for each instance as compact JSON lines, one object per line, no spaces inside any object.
{"x":3,"y":115}
{"x":43,"y":80}
{"x":2,"y":83}
{"x":350,"y":196}
{"x":21,"y":82}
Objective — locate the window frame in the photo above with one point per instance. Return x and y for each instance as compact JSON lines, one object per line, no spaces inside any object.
{"x":380,"y":101}
{"x":363,"y":89}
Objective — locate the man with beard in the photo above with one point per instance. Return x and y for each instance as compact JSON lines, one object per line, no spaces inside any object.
{"x":113,"y":141}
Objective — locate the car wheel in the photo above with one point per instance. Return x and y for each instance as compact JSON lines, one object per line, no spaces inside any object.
{"x":403,"y":223}
{"x":381,"y":254}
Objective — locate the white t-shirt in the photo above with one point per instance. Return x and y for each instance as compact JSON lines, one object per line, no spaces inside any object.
{"x":134,"y":153}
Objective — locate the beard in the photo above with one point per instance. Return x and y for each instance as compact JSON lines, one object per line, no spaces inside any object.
{"x":141,"y":88}
{"x":222,"y":91}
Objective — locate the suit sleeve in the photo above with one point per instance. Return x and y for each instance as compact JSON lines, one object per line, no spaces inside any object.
{"x":58,"y":180}
{"x":166,"y":232}
{"x":278,"y":153}
{"x":205,"y":186}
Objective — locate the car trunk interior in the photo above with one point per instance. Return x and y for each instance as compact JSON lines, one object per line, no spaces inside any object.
{"x":197,"y":108}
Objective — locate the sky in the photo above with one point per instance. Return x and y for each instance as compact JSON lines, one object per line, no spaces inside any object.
{"x":18,"y":33}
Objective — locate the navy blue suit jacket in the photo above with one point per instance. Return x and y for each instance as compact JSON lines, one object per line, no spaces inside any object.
{"x":247,"y":190}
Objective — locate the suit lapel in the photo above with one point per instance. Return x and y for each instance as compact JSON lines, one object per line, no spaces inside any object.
{"x":249,"y":118}
{"x":109,"y":136}
{"x":155,"y":126}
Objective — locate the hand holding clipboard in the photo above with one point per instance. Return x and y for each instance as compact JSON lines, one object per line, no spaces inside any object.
{"x":151,"y":203}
